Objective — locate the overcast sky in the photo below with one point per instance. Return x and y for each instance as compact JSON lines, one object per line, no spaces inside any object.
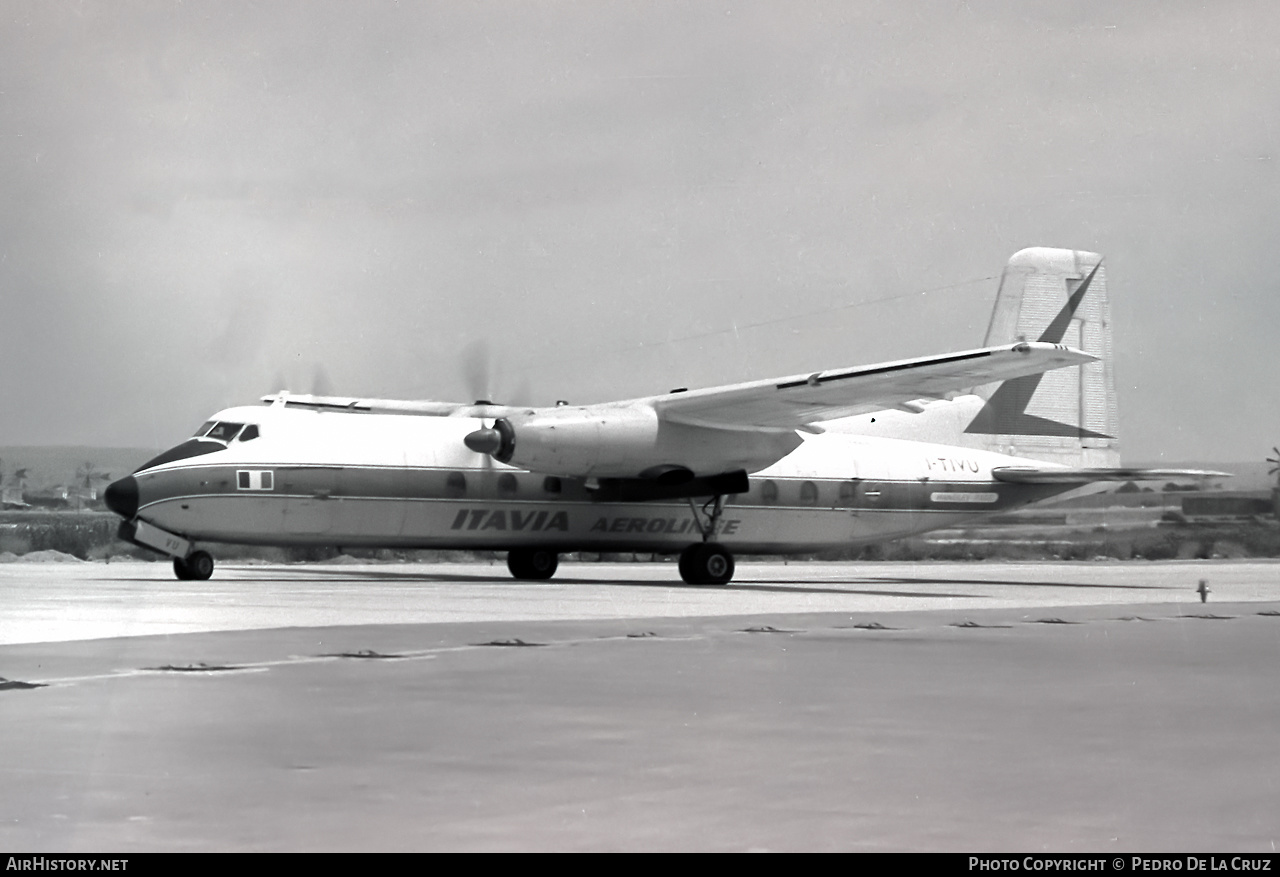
{"x":206,"y":201}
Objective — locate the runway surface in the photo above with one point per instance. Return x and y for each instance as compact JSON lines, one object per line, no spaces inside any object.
{"x":935,"y":706}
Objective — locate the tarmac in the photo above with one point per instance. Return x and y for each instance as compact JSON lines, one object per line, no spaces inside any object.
{"x":1091,"y":707}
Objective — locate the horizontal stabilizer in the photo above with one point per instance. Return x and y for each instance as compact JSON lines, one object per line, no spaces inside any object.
{"x":1059,"y":475}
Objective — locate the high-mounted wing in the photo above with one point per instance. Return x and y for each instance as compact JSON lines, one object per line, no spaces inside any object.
{"x":701,"y":434}
{"x":785,"y":403}
{"x":793,"y":402}
{"x":678,"y":436}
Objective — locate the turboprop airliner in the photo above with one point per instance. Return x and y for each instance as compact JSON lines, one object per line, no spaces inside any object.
{"x":823,"y":460}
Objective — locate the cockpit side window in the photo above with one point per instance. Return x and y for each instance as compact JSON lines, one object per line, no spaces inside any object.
{"x":250,"y":433}
{"x":224,"y":432}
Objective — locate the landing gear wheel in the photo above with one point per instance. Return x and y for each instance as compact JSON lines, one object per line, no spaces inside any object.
{"x":196,"y":566}
{"x":200,"y":563}
{"x":532,"y":564}
{"x":706,"y":563}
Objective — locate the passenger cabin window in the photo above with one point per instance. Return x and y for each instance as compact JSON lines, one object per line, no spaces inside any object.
{"x":551,"y":484}
{"x":455,"y":484}
{"x":507,"y":483}
{"x":808,"y":493}
{"x":848,"y":492}
{"x":769,"y":492}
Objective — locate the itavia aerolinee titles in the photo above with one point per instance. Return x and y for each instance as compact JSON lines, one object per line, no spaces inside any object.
{"x":817,"y":461}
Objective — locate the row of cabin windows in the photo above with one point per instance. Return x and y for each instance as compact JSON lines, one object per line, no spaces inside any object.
{"x":509,"y":485}
{"x":809,"y":492}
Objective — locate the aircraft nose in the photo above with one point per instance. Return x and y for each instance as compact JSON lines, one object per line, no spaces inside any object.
{"x":122,"y":497}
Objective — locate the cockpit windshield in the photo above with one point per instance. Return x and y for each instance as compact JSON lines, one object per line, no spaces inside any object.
{"x":224,"y":431}
{"x":211,"y":437}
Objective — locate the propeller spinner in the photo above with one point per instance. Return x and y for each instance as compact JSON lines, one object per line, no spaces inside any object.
{"x":498,"y":441}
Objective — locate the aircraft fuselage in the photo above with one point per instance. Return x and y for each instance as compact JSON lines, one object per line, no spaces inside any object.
{"x":391,"y":481}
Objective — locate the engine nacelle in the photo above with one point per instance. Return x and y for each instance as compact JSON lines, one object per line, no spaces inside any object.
{"x":624,"y":441}
{"x":574,"y":441}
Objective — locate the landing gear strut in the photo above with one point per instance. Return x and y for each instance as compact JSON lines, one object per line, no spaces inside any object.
{"x":707,"y":563}
{"x":532,"y":564}
{"x":196,"y":566}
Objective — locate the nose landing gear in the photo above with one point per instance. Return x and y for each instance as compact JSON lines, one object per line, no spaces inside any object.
{"x":196,"y":566}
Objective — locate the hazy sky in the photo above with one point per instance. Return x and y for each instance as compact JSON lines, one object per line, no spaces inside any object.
{"x":204,"y":201}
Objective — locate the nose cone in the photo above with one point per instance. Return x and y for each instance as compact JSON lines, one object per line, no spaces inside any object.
{"x":122,"y":497}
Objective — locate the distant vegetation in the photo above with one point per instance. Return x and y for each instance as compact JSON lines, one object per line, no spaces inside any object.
{"x":1181,"y":542}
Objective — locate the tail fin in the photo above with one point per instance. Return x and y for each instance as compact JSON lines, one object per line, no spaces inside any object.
{"x":1067,"y":416}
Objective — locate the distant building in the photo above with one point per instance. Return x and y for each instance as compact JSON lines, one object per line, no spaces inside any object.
{"x":1225,"y":504}
{"x":12,"y":487}
{"x":11,"y":497}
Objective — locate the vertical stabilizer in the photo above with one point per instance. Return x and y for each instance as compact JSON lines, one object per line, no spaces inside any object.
{"x":1065,"y":416}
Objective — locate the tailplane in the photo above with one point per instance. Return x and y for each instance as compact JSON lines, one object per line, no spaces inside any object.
{"x":1067,"y":416}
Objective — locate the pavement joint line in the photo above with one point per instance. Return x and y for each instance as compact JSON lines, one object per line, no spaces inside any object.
{"x":426,"y":654}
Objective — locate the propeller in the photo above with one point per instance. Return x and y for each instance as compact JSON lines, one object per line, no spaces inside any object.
{"x":320,"y":383}
{"x":484,"y":378}
{"x":478,"y":376}
{"x":477,"y":371}
{"x":1276,"y":460}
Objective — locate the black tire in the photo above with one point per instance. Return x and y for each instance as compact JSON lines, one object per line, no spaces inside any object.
{"x":707,"y":563}
{"x":181,"y":570}
{"x":199,"y":565}
{"x":532,"y":564}
{"x":687,"y":569}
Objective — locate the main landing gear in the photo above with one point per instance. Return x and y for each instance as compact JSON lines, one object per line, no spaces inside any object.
{"x":532,"y":564}
{"x":707,"y":562}
{"x":703,"y":563}
{"x":196,"y":566}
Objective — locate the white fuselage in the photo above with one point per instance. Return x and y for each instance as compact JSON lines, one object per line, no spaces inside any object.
{"x":363,"y":480}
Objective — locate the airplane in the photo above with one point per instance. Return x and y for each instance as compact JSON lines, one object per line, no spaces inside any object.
{"x":829,"y":459}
